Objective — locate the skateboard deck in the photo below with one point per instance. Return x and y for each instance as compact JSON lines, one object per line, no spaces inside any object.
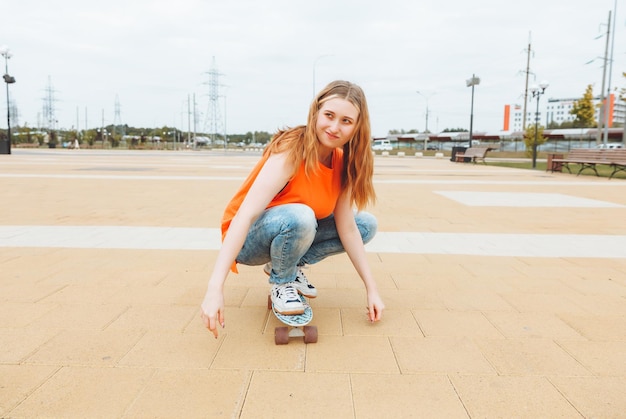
{"x":296,"y":324}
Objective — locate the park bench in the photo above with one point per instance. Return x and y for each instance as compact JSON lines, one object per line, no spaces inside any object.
{"x":589,"y":158}
{"x":473,"y":153}
{"x":617,"y":157}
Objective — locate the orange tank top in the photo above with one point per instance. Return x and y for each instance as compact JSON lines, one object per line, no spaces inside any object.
{"x":320,"y":190}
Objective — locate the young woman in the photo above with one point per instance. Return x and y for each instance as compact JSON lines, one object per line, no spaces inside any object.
{"x":296,"y":206}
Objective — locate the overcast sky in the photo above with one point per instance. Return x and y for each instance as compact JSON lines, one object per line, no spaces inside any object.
{"x":153,"y":54}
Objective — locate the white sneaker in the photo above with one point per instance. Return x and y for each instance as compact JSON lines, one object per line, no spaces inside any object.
{"x":286,"y":299}
{"x":301,"y":282}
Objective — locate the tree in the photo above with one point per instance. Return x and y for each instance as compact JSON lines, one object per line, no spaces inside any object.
{"x":262,"y":137}
{"x":529,"y":138}
{"x":584,"y":110}
{"x":89,"y":136}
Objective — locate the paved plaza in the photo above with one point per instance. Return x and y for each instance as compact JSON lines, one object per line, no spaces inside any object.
{"x":505,"y":295}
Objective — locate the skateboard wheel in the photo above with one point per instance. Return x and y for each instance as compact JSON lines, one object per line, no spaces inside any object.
{"x":310,"y":334}
{"x":281,"y":335}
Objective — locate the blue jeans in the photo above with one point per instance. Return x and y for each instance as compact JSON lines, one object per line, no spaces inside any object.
{"x":289,"y":236}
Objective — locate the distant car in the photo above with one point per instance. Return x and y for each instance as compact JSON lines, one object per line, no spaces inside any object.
{"x":475,"y":143}
{"x":611,"y":145}
{"x":382,"y":145}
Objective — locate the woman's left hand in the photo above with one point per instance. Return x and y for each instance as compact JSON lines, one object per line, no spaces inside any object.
{"x":375,"y":307}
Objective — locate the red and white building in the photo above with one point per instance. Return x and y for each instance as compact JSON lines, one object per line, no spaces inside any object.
{"x":558,"y":111}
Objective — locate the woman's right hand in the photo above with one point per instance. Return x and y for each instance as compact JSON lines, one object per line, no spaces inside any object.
{"x":212,"y":310}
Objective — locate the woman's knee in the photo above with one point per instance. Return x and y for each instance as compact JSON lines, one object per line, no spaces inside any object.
{"x":367,"y":225}
{"x":299,"y":217}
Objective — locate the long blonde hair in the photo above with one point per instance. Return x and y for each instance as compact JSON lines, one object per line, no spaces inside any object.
{"x":301,"y":143}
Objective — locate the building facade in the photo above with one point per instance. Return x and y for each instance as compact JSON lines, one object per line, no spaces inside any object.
{"x":558,"y":111}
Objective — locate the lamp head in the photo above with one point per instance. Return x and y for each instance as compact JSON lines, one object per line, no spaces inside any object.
{"x":539,"y":89}
{"x":474,"y":81}
{"x":5,"y":51}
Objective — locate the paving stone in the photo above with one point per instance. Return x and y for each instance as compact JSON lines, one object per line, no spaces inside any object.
{"x":531,"y":357}
{"x":81,"y":315}
{"x":594,"y":397}
{"x":532,"y":325}
{"x":397,"y":323}
{"x":170,"y":349}
{"x":413,"y":299}
{"x":257,"y":351}
{"x":310,"y":395}
{"x":19,"y":343}
{"x":353,"y":354}
{"x":85,"y":392}
{"x":439,"y":355}
{"x":475,"y":301}
{"x":603,"y":358}
{"x":469,"y":330}
{"x":85,"y":347}
{"x":597,"y":328}
{"x":18,"y":381}
{"x":154,"y":316}
{"x":22,"y":314}
{"x":601,"y":305}
{"x":456,"y":324}
{"x":521,"y":397}
{"x":405,"y":396}
{"x":537,"y":302}
{"x":191,"y":393}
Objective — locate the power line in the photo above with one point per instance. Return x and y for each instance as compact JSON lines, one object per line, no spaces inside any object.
{"x":213,"y":122}
{"x":49,"y":109}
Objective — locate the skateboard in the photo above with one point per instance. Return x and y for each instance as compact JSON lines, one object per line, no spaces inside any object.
{"x":296,"y":324}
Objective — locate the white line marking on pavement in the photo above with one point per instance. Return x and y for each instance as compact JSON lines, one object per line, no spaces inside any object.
{"x":176,"y":238}
{"x":524,"y":199}
{"x":542,"y":182}
{"x":121,"y":177}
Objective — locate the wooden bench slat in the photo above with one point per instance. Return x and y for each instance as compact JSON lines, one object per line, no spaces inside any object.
{"x":588,"y":158}
{"x":475,"y":153}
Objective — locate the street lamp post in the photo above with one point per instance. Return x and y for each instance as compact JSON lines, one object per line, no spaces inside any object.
{"x":537,"y":91}
{"x":474,"y":81}
{"x":6,"y":53}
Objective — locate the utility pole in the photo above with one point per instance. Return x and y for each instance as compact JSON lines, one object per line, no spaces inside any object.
{"x":608,"y":89}
{"x":86,"y":125}
{"x":603,"y":99}
{"x":188,"y":120}
{"x":526,"y":85}
{"x":117,"y":119}
{"x":49,"y":112}
{"x":102,"y":130}
{"x":214,"y":121}
{"x":427,"y":108}
{"x":195,"y":120}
